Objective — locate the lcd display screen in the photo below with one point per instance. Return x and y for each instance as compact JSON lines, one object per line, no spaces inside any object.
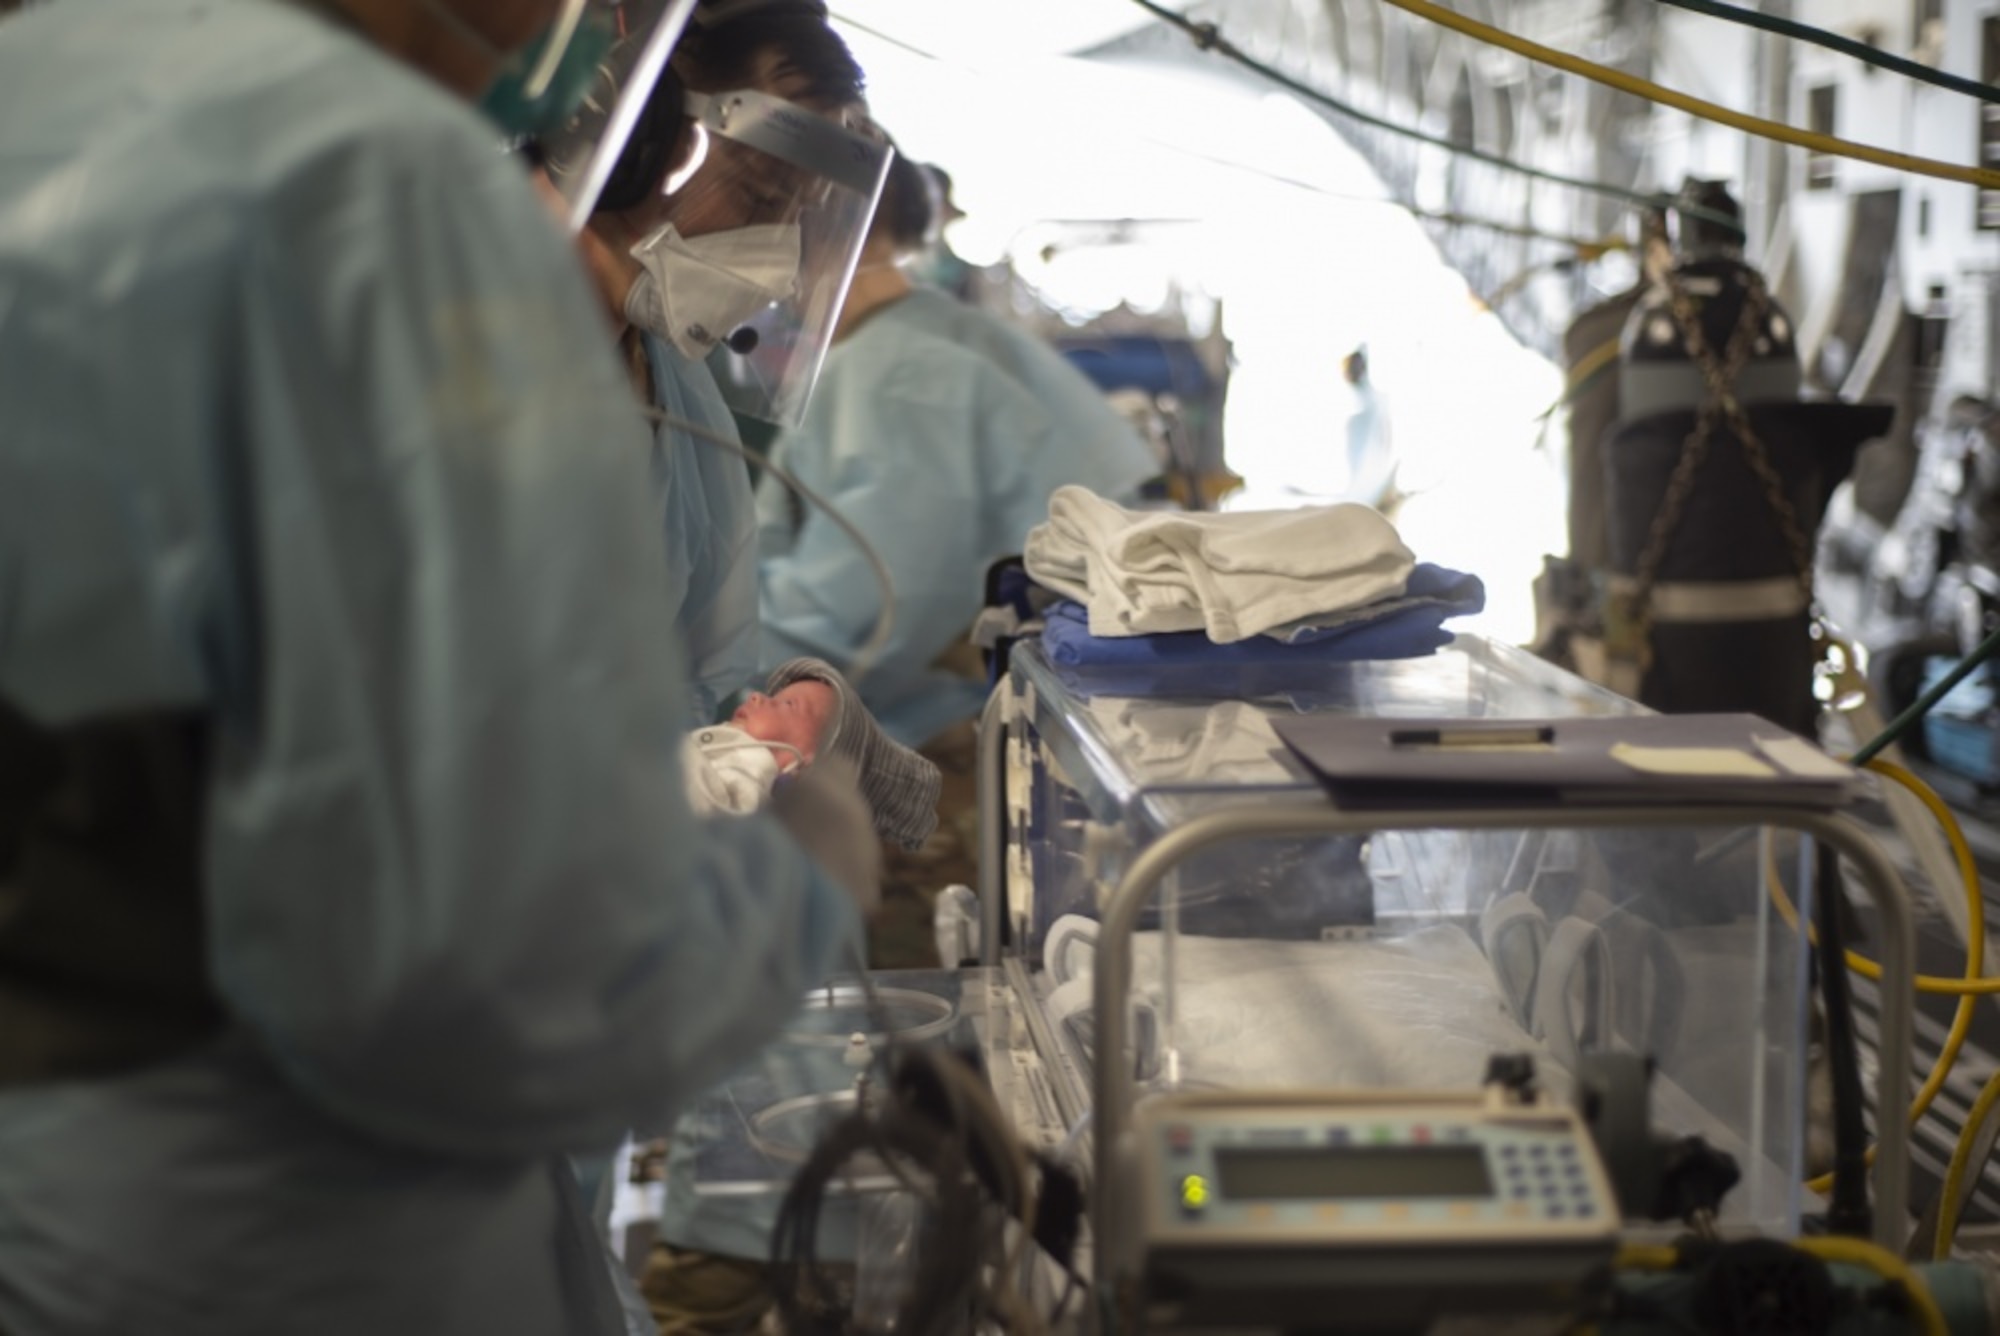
{"x":1336,"y":1173}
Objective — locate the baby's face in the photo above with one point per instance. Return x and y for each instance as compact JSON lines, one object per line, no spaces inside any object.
{"x":797,"y":714}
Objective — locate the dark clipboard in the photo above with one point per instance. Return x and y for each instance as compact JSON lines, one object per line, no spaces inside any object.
{"x":1629,"y":760}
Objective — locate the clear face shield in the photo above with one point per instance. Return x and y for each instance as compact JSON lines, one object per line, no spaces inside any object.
{"x":749,"y":253}
{"x":606,"y":100}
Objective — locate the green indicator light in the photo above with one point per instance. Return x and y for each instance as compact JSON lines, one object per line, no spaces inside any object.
{"x":1384,"y":1135}
{"x":1194,"y":1192}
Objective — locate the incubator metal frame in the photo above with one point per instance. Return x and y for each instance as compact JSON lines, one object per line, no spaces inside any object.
{"x":1113,"y":1085}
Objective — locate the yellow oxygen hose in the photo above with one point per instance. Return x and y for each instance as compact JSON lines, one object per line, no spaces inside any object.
{"x":1949,"y":1204}
{"x":1968,"y":989}
{"x":1694,"y":106}
{"x":1874,"y":1257}
{"x":1831,"y":1248}
{"x":1975,"y":983}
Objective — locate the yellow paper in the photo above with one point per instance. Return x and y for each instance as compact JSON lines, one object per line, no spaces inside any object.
{"x":1711,"y":762}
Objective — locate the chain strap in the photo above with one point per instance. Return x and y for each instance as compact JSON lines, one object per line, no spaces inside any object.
{"x":1723,"y":388}
{"x":1719,"y":405}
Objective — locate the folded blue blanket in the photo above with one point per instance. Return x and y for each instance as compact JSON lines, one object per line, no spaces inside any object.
{"x":1406,"y":627}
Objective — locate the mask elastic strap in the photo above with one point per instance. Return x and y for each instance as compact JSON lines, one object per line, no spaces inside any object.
{"x":560,"y":36}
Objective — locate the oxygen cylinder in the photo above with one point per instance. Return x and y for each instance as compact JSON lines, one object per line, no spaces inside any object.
{"x":1722,"y":619}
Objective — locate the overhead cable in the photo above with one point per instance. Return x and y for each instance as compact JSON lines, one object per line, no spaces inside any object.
{"x":1983,"y":177}
{"x":1209,"y":38}
{"x":1847,"y":46}
{"x":1586,"y":248}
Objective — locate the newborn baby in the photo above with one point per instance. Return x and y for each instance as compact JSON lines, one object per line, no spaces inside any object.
{"x":807,"y":709}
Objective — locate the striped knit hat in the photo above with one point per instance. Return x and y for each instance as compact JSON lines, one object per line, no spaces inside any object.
{"x":900,"y":787}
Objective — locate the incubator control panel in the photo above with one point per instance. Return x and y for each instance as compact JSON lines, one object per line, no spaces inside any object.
{"x":1369,"y":1172}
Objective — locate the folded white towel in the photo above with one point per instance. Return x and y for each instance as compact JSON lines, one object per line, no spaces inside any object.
{"x":1232,"y":575}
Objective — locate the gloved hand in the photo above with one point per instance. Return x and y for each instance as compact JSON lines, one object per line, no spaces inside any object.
{"x":823,"y":810}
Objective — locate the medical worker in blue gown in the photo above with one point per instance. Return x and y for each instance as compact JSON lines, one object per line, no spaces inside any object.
{"x":345,"y":878}
{"x":940,"y":430}
{"x":692,"y":238}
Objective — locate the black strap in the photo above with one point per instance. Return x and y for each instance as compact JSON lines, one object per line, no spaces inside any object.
{"x":102,"y":960}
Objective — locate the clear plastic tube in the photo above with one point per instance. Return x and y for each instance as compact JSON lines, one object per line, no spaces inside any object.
{"x":884,"y":1255}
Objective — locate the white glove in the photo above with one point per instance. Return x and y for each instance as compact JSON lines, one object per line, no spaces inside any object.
{"x":955,"y":923}
{"x":823,"y":810}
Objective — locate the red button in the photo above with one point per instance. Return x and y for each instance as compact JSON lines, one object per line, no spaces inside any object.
{"x":1420,"y":1135}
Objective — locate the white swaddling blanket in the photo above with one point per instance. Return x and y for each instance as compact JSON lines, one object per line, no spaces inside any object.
{"x":727,"y":770}
{"x":1232,"y":575}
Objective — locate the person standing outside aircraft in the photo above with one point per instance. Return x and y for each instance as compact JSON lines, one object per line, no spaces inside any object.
{"x":1371,"y":460}
{"x":345,"y":877}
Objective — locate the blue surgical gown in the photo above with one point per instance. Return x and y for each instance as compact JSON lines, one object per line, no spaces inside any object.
{"x":940,"y":437}
{"x":1109,"y":456}
{"x":708,"y":516}
{"x":310,"y":425}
